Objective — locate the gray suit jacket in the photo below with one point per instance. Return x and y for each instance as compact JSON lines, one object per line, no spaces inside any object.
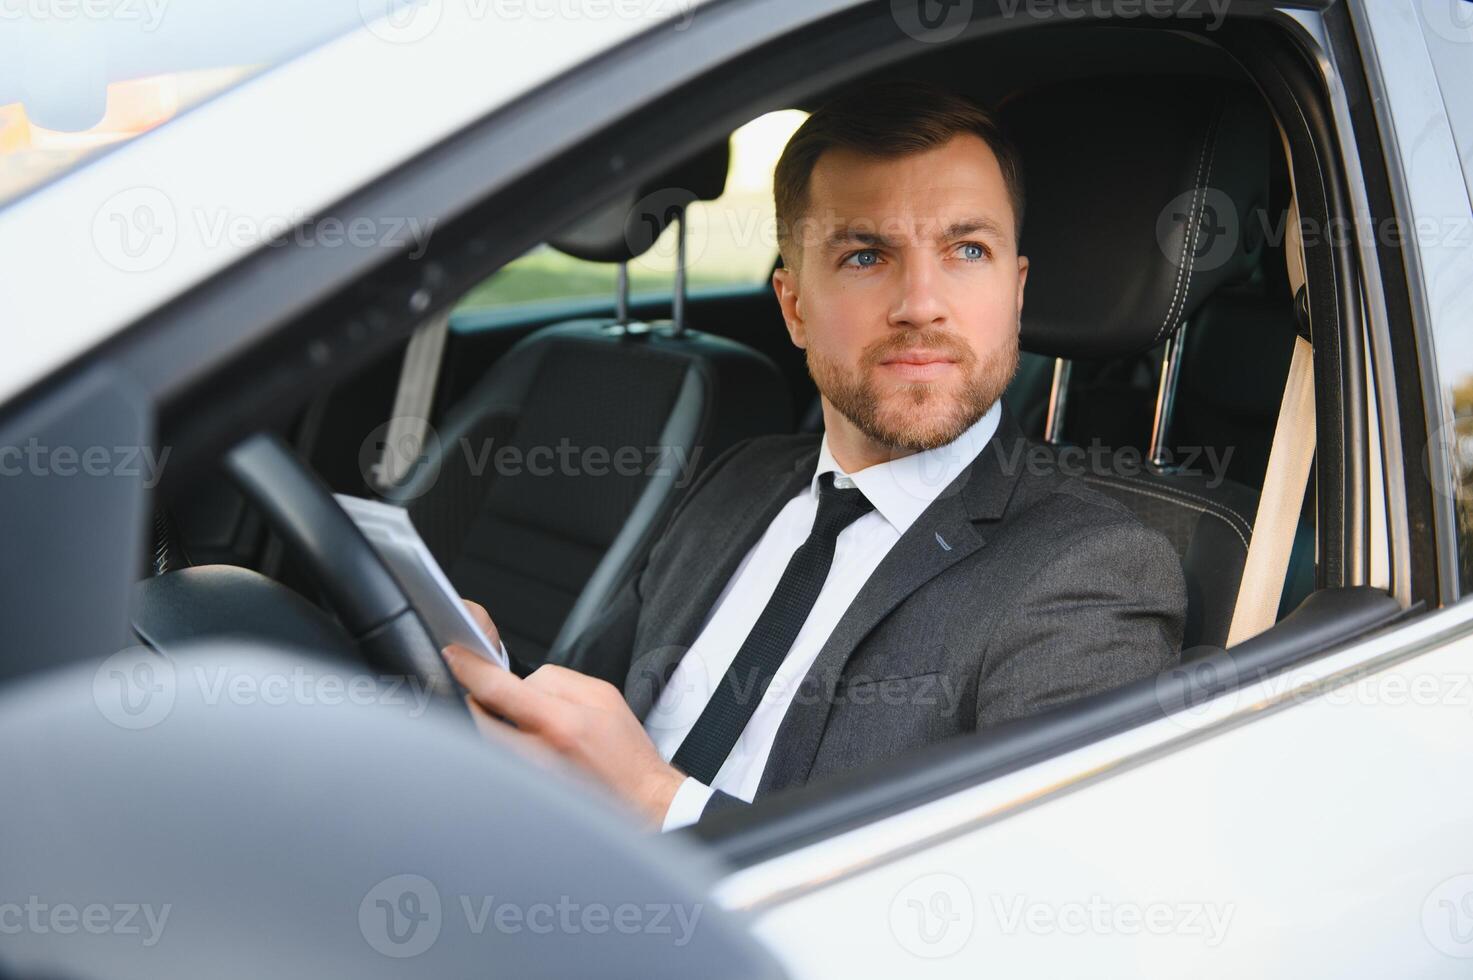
{"x":1017,"y":589}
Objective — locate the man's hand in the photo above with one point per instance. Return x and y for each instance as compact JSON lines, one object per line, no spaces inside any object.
{"x":579,"y":718}
{"x":483,"y":619}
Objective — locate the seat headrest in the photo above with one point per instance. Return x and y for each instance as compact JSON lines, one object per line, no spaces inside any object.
{"x":630,"y":224}
{"x":1237,"y":354}
{"x":1143,"y":198}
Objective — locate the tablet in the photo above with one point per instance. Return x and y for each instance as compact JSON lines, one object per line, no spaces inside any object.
{"x":391,"y":533}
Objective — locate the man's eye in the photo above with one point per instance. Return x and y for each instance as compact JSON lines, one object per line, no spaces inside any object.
{"x":973,"y":251}
{"x":863,"y":259}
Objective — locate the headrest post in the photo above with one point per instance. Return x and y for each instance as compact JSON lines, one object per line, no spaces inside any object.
{"x":1166,"y":398}
{"x":677,"y":301}
{"x":621,"y":309}
{"x":1058,"y":396}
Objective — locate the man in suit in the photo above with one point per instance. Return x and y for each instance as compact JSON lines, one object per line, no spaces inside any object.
{"x":917,"y":573}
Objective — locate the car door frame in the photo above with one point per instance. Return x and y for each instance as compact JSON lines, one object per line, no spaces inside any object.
{"x":306,"y":319}
{"x":1402,"y":391}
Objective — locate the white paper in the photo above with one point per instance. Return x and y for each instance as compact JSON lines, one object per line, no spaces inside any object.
{"x":392,"y":534}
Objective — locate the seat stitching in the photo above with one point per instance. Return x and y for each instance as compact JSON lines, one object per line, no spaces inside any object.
{"x":1181,"y":265}
{"x":1180,"y":503}
{"x":1196,"y":214}
{"x":1169,"y":489}
{"x":1183,"y":272}
{"x":1197,"y":225}
{"x":1247,"y":524}
{"x":1211,"y":506}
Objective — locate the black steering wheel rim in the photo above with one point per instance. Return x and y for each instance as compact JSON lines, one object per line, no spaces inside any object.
{"x":369,"y":602}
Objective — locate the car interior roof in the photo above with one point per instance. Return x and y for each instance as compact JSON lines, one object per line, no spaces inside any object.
{"x":994,"y":67}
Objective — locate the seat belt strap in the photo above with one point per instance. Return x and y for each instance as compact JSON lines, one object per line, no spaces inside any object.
{"x":409,"y":422}
{"x":1279,"y":506}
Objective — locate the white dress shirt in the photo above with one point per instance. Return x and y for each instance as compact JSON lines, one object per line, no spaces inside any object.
{"x":900,"y":491}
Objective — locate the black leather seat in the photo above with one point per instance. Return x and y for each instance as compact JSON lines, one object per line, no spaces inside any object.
{"x":1142,"y":204}
{"x":1234,"y":366}
{"x":552,"y":476}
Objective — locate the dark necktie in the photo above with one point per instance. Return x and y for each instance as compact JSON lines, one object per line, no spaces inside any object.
{"x":732,"y":703}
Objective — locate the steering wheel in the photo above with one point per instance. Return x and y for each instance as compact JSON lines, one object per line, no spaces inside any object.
{"x":368,"y":601}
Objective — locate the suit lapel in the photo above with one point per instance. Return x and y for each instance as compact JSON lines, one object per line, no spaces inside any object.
{"x":952,"y":528}
{"x":720,"y":550}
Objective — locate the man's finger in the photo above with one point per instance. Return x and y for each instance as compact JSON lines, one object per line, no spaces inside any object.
{"x":500,"y":691}
{"x":562,"y":682}
{"x":531,"y":747}
{"x":483,"y":620}
{"x":485,"y":724}
{"x":494,"y":728}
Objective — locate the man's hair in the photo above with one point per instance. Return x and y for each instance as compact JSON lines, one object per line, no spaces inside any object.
{"x":885,"y":119}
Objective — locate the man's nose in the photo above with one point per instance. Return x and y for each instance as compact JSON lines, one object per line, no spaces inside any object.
{"x":920,"y":300}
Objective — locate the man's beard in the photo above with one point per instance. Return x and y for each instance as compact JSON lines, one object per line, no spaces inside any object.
{"x":937,"y":418}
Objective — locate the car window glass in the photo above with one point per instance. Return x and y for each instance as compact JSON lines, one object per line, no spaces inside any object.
{"x":1447,"y":26}
{"x":731,"y":241}
{"x":77,"y":78}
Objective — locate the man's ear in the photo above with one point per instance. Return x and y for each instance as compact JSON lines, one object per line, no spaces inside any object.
{"x":785,"y":284}
{"x":1022,"y":281}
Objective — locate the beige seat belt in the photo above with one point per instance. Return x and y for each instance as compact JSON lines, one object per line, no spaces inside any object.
{"x":1284,"y":484}
{"x":409,"y":422}
{"x":1286,"y":479}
